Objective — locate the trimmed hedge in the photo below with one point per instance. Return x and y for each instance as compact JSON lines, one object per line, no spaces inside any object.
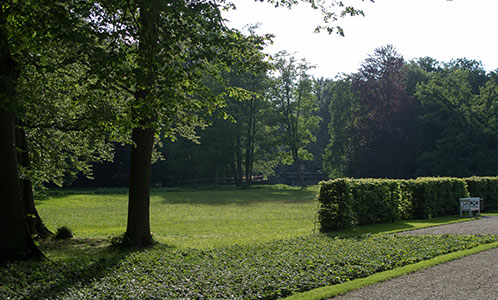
{"x":335,"y":205}
{"x":435,"y":197}
{"x":345,"y":202}
{"x":484,"y":187}
{"x":375,"y":201}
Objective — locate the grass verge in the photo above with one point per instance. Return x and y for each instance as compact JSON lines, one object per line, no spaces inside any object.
{"x":335,"y":290}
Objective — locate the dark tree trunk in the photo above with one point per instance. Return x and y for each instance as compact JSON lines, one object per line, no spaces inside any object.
{"x":16,"y":241}
{"x":297,"y":165}
{"x":34,"y":222}
{"x":249,"y":144}
{"x":138,"y":226}
{"x":238,"y":156}
{"x":234,"y":173}
{"x":216,"y":176}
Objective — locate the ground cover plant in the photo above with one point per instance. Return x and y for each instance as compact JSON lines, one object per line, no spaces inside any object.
{"x":214,"y":243}
{"x":262,"y":271}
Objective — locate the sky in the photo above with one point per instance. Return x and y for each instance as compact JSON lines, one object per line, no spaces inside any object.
{"x":441,"y":29}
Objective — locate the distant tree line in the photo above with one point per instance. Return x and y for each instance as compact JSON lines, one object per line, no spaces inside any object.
{"x":390,"y":119}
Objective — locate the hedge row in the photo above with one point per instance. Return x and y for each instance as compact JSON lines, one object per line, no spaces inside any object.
{"x":484,"y":187}
{"x":344,"y":202}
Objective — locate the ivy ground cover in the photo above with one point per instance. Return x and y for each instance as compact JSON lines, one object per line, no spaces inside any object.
{"x":268,"y":270}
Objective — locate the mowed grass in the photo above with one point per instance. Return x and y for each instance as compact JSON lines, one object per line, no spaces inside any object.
{"x":189,"y":218}
{"x":205,"y":218}
{"x":216,"y":244}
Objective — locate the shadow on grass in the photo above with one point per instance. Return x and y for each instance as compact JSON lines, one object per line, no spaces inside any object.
{"x":72,"y":263}
{"x":238,"y":196}
{"x":242,"y":197}
{"x":398,"y":226}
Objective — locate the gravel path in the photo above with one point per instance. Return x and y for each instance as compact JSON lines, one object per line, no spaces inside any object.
{"x":472,"y":277}
{"x":485,"y":225}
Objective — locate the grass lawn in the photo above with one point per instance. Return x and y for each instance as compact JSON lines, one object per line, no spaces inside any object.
{"x":256,"y":243}
{"x":202,"y":218}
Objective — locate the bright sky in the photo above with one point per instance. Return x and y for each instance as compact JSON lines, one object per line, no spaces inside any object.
{"x":437,"y":28}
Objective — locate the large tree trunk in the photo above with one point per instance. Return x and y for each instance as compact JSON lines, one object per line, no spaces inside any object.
{"x":16,"y":241}
{"x":34,"y":222}
{"x":138,"y":226}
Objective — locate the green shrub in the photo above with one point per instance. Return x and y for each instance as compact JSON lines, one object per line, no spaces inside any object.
{"x":435,"y":197}
{"x":484,"y":187}
{"x":346,"y":202}
{"x":63,"y":233}
{"x":335,"y":207}
{"x":375,"y":201}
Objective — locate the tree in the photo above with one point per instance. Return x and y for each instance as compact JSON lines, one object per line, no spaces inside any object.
{"x":15,"y":239}
{"x":170,"y":48}
{"x":458,"y":137}
{"x":154,"y":51}
{"x":291,"y":93}
{"x":322,"y":91}
{"x":339,"y":156}
{"x":386,"y":116}
{"x":36,"y":40}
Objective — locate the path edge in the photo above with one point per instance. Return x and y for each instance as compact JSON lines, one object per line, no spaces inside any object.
{"x":337,"y":289}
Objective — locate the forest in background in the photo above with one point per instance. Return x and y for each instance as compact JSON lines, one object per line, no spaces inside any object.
{"x":391,"y":119}
{"x":81,"y":78}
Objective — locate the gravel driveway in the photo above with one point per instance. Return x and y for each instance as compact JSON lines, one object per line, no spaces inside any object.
{"x":485,"y":225}
{"x":472,"y":277}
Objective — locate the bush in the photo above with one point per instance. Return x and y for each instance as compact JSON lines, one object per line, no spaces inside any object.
{"x":435,"y":197}
{"x":335,"y":207}
{"x":120,"y":241}
{"x":375,"y":201}
{"x":344,"y":202}
{"x":484,"y":187}
{"x":63,"y":233}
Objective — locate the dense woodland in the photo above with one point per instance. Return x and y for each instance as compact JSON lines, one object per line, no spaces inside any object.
{"x":137,"y":82}
{"x":391,"y":119}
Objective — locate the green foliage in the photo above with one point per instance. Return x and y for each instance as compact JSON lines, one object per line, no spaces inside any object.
{"x":376,"y":201}
{"x":435,"y":197}
{"x":335,"y":205}
{"x":484,"y":187}
{"x":458,"y":129}
{"x":120,"y":241}
{"x":63,"y":233}
{"x":345,"y":202}
{"x":339,"y":153}
{"x":291,"y":93}
{"x":265,"y":271}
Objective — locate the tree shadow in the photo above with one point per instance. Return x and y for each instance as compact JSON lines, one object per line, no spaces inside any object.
{"x":65,"y":192}
{"x":397,"y":226}
{"x":72,"y":263}
{"x":234,"y":196}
